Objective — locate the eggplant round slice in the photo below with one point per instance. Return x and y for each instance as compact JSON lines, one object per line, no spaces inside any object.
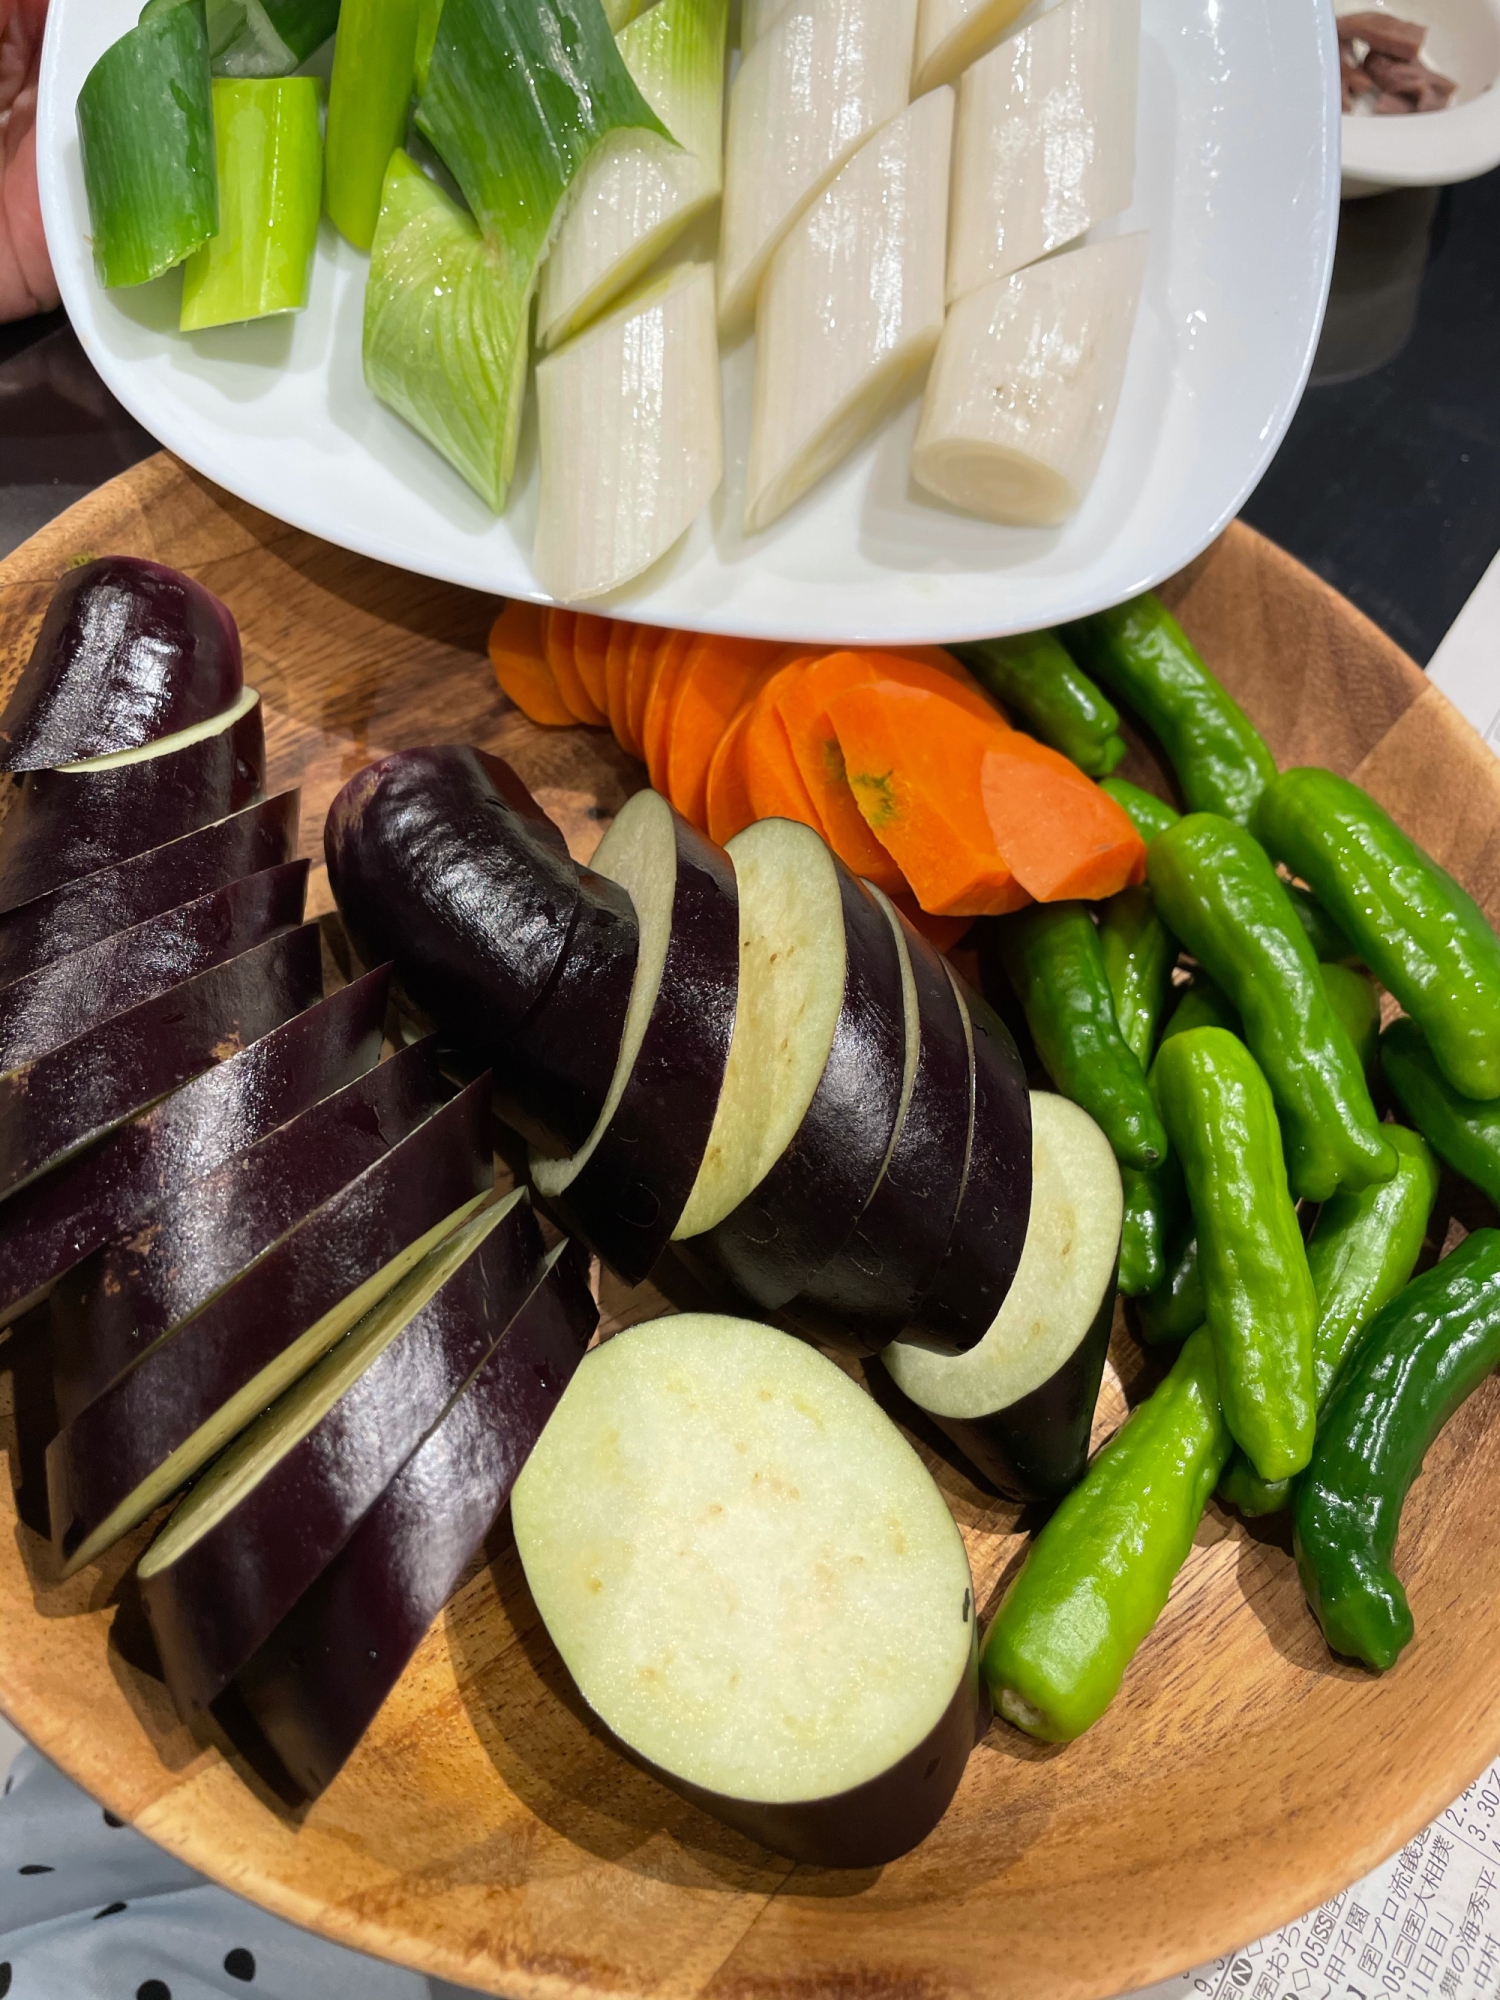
{"x":113,"y":899}
{"x":68,"y":1214}
{"x":109,"y":1310}
{"x":197,"y":1388}
{"x":60,"y":1103}
{"x":82,"y":817}
{"x":274,"y":1510}
{"x":318,"y":1682}
{"x":756,"y":1586}
{"x":624,"y":1192}
{"x":1020,"y":1405}
{"x":129,"y":652}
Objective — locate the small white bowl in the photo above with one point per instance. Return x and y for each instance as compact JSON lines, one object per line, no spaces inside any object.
{"x":1431,"y":148}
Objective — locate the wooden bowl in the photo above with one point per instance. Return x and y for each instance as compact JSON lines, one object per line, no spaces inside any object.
{"x":482,"y":1832}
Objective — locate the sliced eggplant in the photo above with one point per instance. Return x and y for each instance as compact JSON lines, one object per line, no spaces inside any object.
{"x":1020,"y":1405}
{"x":81,"y":817}
{"x":623,"y":1193}
{"x":110,"y":1309}
{"x":75,"y":996}
{"x":55,"y":1106}
{"x":129,"y":652}
{"x":163,"y":878}
{"x":756,"y":1587}
{"x":198,"y":1387}
{"x":317,"y":1683}
{"x":291,"y":1063}
{"x":269,"y":1515}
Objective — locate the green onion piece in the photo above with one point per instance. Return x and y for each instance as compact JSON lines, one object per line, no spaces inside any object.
{"x":146,"y":135}
{"x":270,"y":196}
{"x":620,"y":13}
{"x":374,"y":63}
{"x":267,"y":37}
{"x":429,"y":13}
{"x":445,"y":329}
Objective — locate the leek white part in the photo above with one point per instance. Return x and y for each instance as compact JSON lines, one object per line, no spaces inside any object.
{"x":758,"y":17}
{"x":640,"y":191}
{"x":166,"y":746}
{"x":1025,"y":384}
{"x":851,"y":307}
{"x":1044,"y":146}
{"x":632,"y":437}
{"x":1067,"y":1264}
{"x":747,"y":1570}
{"x":793,"y":965}
{"x":951,"y":33}
{"x":806,"y":97}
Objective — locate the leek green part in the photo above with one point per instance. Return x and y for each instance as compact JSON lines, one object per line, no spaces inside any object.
{"x":270,"y":154}
{"x":267,"y":37}
{"x":429,"y":13}
{"x":374,"y":65}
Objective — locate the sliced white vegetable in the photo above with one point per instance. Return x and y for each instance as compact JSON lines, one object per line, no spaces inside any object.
{"x":166,"y":746}
{"x":746,"y":1568}
{"x":639,"y":192}
{"x":851,"y":307}
{"x":951,"y":33}
{"x":792,"y":975}
{"x":632,"y":437}
{"x":1044,"y":146}
{"x":1072,"y":1241}
{"x":1025,"y":384}
{"x":809,"y":93}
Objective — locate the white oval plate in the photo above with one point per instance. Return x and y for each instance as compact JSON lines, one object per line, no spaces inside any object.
{"x":1237,"y":181}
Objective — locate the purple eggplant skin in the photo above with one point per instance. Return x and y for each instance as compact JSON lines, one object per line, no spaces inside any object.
{"x":59,"y":1104}
{"x":97,"y":1461}
{"x":114,"y":1306}
{"x":73,"y":996}
{"x":225,"y":1596}
{"x":317,"y":1683}
{"x":630,"y":1195}
{"x":809,"y":1203}
{"x":113,"y":899}
{"x":65,"y":824}
{"x":129,"y":652}
{"x":293,"y":1062}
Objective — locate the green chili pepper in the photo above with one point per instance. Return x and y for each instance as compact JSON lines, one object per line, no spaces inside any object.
{"x":1417,"y":930}
{"x":1148,"y":814}
{"x":1328,"y":941}
{"x":1218,"y":892}
{"x":1424,"y":1355}
{"x":1034,"y":675}
{"x":1139,"y":953}
{"x":1101,"y":1570}
{"x":1465,"y":1134}
{"x":1363,"y":1249}
{"x":1259,"y":1302}
{"x":1144,"y":1226}
{"x":1203,"y":1005}
{"x":1055,"y":963}
{"x":1145,"y":659}
{"x":1174,"y":1308}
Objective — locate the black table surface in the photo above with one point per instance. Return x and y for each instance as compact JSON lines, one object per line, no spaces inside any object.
{"x":1387,"y":483}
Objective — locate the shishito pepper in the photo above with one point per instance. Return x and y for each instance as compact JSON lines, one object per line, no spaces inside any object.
{"x":1363,"y":1249}
{"x":1218,"y":892}
{"x":1145,"y":659}
{"x":1259,"y":1303}
{"x":1148,"y":814}
{"x":1327,"y":940}
{"x":1055,"y":964}
{"x":1422,"y":936}
{"x":1174,"y":1307}
{"x":1423,"y":1356}
{"x":1464,"y":1133}
{"x":1139,"y":953}
{"x":1033,"y":675}
{"x":1100,"y":1571}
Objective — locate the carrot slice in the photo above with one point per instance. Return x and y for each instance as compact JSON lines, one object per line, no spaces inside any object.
{"x":914,"y":762}
{"x":622,"y":638}
{"x":942,"y":933}
{"x":1062,"y":836}
{"x":803,"y":701}
{"x":953,"y":682}
{"x":669,"y":664}
{"x":590,"y":649}
{"x":716,"y":681}
{"x":521,"y":668}
{"x":729,"y":806}
{"x":648,"y":644}
{"x":557,"y":639}
{"x":776,"y":787}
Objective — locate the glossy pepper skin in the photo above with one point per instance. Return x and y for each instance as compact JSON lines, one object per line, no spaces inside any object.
{"x":1139,"y":953}
{"x":1363,"y":1249}
{"x":1055,"y":964}
{"x":1033,"y":675}
{"x":1352,"y":997}
{"x":1259,"y":1302}
{"x":1145,"y":660}
{"x":1424,"y":1355}
{"x":1174,"y":1308}
{"x":1422,"y":936}
{"x":1148,"y":814}
{"x":1100,"y":1571}
{"x":1460,"y":1131}
{"x":1327,"y":940}
{"x":1216,"y":889}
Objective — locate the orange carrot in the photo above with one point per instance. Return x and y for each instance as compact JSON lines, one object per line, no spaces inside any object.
{"x":590,"y":648}
{"x":670,"y":661}
{"x":729,"y":809}
{"x":718,"y":677}
{"x":1062,"y":836}
{"x":953,"y":682}
{"x":776,"y":787}
{"x":803,"y":702}
{"x":557,"y":640}
{"x":648,"y":643}
{"x":521,"y":668}
{"x":622,"y":638}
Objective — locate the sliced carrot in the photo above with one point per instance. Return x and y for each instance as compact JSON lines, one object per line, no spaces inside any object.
{"x":914,"y":762}
{"x":622,"y":638}
{"x":717,"y":679}
{"x":942,"y":933}
{"x":590,"y":650}
{"x":954,"y":681}
{"x":776,"y":787}
{"x":1062,"y":836}
{"x":521,"y":667}
{"x":670,"y":661}
{"x":648,"y":644}
{"x":558,"y":629}
{"x":803,"y":701}
{"x":729,"y":808}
